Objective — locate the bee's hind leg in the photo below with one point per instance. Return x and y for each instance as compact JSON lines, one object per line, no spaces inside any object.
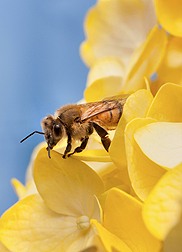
{"x":81,"y":147}
{"x":103,"y":135}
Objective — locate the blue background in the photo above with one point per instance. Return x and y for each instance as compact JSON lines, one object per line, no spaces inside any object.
{"x":40,"y":70}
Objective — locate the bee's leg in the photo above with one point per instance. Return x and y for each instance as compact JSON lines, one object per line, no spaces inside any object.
{"x":68,"y":147}
{"x":103,"y":135}
{"x":81,"y":147}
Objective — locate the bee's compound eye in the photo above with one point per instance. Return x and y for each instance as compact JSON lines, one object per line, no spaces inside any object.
{"x":57,"y":129}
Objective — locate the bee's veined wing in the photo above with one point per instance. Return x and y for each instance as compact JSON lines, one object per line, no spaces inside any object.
{"x":90,"y":110}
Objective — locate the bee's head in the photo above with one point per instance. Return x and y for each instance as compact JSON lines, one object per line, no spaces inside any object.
{"x":53,"y":131}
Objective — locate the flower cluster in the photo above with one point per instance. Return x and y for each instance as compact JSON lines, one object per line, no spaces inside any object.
{"x":129,"y":199}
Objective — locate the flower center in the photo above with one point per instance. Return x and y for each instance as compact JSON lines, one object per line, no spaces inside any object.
{"x":83,"y":222}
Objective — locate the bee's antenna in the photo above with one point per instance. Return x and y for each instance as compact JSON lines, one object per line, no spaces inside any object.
{"x":31,"y":135}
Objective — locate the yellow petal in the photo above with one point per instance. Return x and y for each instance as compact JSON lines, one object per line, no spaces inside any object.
{"x":136,"y":106}
{"x":173,"y":241}
{"x":23,"y":191}
{"x":162,"y":209}
{"x":143,"y":172}
{"x":167,"y":104}
{"x":31,"y":226}
{"x":169,"y":15}
{"x":29,"y":171}
{"x":116,"y":28}
{"x":105,"y":79}
{"x":98,"y":159}
{"x":170,"y":67}
{"x":123,"y":218}
{"x":147,"y":84}
{"x":97,"y":215}
{"x":19,"y":188}
{"x":151,"y":55}
{"x":105,"y":170}
{"x":67,"y":185}
{"x":110,"y":241}
{"x":3,"y":248}
{"x":172,"y":57}
{"x":161,"y":142}
{"x":100,"y":155}
{"x":119,"y":178}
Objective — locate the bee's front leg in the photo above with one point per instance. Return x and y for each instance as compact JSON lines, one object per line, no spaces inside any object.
{"x":81,"y":147}
{"x":68,"y":147}
{"x":103,"y":135}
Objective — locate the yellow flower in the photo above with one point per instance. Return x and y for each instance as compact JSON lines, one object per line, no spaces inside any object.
{"x":116,"y":28}
{"x":120,"y":59}
{"x":129,"y":199}
{"x":123,"y":217}
{"x":160,"y":61}
{"x":67,"y":216}
{"x":162,"y":210}
{"x":169,"y":15}
{"x":170,"y":67}
{"x":115,"y":31}
{"x":148,"y":137}
{"x":137,"y":105}
{"x":147,"y":64}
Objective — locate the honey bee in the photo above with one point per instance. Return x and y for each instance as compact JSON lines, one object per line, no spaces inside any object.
{"x":78,"y":121}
